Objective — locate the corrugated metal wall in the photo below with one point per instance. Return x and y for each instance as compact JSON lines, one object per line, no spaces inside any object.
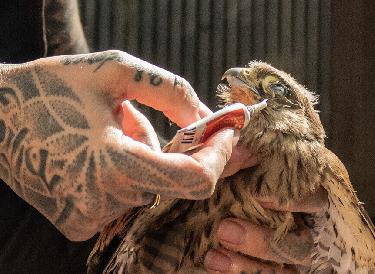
{"x":200,"y":39}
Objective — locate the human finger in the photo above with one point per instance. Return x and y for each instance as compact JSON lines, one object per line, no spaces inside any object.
{"x":120,"y":76}
{"x":204,"y":110}
{"x":216,"y":152}
{"x":138,"y":127}
{"x":312,"y":203}
{"x":241,"y":158}
{"x":172,"y":175}
{"x":223,"y":261}
{"x":135,"y":79}
{"x":175,"y":96}
{"x":257,"y":241}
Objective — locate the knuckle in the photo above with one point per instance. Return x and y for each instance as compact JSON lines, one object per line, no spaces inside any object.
{"x":188,"y":86}
{"x":115,"y":53}
{"x":185,"y":83}
{"x":114,"y":57}
{"x":189,"y":90}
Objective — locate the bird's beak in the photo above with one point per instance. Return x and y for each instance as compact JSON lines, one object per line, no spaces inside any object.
{"x":239,"y":89}
{"x":235,"y":79}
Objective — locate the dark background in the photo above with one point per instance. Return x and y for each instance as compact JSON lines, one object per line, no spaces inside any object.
{"x":327,"y":45}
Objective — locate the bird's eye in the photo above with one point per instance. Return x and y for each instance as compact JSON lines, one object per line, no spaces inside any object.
{"x":279,"y":88}
{"x":274,"y":85}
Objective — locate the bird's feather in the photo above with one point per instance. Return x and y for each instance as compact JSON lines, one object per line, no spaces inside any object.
{"x":288,"y":139}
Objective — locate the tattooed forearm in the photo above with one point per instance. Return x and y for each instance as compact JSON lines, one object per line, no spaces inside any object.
{"x":64,"y":34}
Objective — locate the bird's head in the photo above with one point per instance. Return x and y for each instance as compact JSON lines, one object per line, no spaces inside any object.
{"x":290,"y":111}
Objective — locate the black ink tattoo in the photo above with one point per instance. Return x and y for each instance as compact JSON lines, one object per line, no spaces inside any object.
{"x":51,"y":158}
{"x":66,"y":144}
{"x":177,"y":81}
{"x":9,"y":138}
{"x":76,"y":167}
{"x":36,"y":118}
{"x":2,"y":131}
{"x":112,"y":203}
{"x":139,"y":167}
{"x":26,"y":84}
{"x":54,"y":86}
{"x":4,"y":93}
{"x":4,"y":167}
{"x":47,"y":204}
{"x":138,"y":75}
{"x":43,"y":123}
{"x":58,"y":164}
{"x":18,"y":139}
{"x":155,"y":79}
{"x":152,"y":176}
{"x":40,"y":170}
{"x":70,"y":115}
{"x":20,"y":159}
{"x":99,"y":58}
{"x":64,"y":215}
{"x":92,"y":186}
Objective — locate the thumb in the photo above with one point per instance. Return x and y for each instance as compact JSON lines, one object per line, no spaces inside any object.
{"x":136,"y":126}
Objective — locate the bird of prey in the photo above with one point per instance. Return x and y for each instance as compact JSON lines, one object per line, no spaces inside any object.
{"x":288,"y":139}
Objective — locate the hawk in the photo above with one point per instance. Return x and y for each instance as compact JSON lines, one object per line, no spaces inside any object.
{"x":292,"y":162}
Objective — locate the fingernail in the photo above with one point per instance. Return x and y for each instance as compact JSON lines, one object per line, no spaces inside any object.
{"x":231,"y":232}
{"x":126,"y":103}
{"x":217,"y":261}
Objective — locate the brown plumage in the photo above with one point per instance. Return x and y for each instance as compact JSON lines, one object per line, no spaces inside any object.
{"x":288,"y":139}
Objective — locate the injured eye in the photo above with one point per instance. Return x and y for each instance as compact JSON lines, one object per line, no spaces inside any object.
{"x":275,"y":86}
{"x":280,"y":89}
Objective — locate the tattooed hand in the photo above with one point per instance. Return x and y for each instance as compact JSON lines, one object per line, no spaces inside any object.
{"x":237,"y":235}
{"x":70,"y":147}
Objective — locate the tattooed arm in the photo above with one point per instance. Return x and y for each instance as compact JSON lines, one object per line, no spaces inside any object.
{"x":63,"y":147}
{"x":64,"y":34}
